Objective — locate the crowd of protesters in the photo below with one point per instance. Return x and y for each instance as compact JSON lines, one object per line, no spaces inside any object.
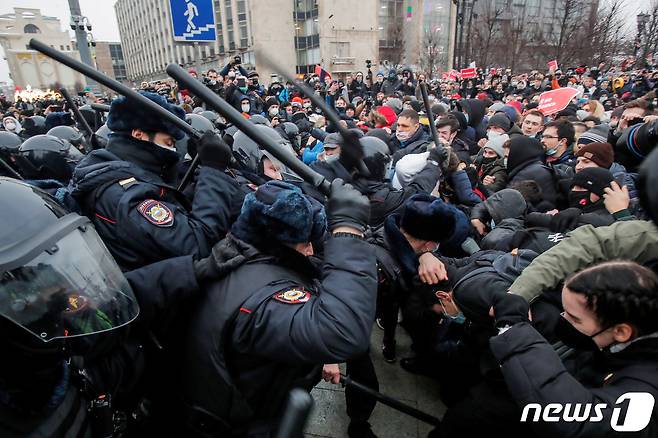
{"x":516,"y":248}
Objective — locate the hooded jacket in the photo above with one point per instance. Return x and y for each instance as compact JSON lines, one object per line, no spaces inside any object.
{"x":524,"y":162}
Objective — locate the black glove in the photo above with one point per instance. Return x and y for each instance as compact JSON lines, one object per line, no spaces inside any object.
{"x":213,"y":151}
{"x":510,"y":309}
{"x":566,"y":220}
{"x":347,"y":207}
{"x":439,"y":154}
{"x":226,"y":256}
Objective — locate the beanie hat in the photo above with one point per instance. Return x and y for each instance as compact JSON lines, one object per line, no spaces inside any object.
{"x":429,"y":218}
{"x":510,"y":112}
{"x":593,"y":179}
{"x":388,"y":113}
{"x":496,"y":106}
{"x":124,"y":116}
{"x":279,"y":211}
{"x":333,"y":140}
{"x":597,"y":134}
{"x":395,"y":104}
{"x":598,"y":152}
{"x":496,"y":144}
{"x":500,"y":120}
{"x":297,"y":99}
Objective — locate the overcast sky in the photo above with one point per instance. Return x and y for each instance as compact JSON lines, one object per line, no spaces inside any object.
{"x":105,"y":28}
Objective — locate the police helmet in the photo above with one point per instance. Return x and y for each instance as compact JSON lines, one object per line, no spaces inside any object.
{"x":250,"y":156}
{"x":9,"y":142}
{"x":376,"y":156}
{"x":68,"y":133}
{"x":59,"y":285}
{"x":34,"y":125}
{"x":257,"y":119}
{"x":48,"y":157}
{"x":291,"y":133}
{"x":210,"y":115}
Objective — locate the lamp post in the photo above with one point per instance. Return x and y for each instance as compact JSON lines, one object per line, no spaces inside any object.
{"x":78,"y":24}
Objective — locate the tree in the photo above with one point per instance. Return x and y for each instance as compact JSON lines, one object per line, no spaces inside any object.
{"x":649,"y":38}
{"x":486,"y":29}
{"x":434,"y":55}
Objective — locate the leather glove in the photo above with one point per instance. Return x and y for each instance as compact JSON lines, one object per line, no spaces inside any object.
{"x":225,"y":257}
{"x":509,"y":309}
{"x":347,"y":207}
{"x":213,"y":151}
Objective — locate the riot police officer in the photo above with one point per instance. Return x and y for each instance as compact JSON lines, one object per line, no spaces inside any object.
{"x":72,"y":349}
{"x":272,"y":318}
{"x":44,"y":157}
{"x":128,"y":188}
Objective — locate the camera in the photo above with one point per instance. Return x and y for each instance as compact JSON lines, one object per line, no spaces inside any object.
{"x":237,"y":60}
{"x":368,"y":63}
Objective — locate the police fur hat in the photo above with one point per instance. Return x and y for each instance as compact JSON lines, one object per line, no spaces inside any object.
{"x":62,"y":118}
{"x":426,"y":217}
{"x":280,"y":212}
{"x":126,"y":115}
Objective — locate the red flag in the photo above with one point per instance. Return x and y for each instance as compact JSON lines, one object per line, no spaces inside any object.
{"x":468,"y":73}
{"x":552,"y":65}
{"x":493,"y":71}
{"x":551,"y":102}
{"x":453,"y":74}
{"x":321,"y":73}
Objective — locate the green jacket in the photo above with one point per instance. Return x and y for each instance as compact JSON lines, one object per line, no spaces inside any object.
{"x":630,"y":240}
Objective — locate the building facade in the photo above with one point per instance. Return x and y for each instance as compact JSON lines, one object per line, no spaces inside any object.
{"x":109,"y":59}
{"x":298,"y":34}
{"x":28,"y":67}
{"x":417,"y":33}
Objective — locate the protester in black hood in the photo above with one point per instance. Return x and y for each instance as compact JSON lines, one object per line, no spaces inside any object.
{"x":502,"y":214}
{"x":524,"y":162}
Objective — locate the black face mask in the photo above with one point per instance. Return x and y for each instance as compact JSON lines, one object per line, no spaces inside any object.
{"x":489,"y":160}
{"x":574,"y":338}
{"x":579,"y":199}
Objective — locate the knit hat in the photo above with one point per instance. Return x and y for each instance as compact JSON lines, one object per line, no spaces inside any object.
{"x":429,"y":218}
{"x":598,"y":152}
{"x":496,"y":144}
{"x":333,"y":140}
{"x":593,"y":179}
{"x":496,"y":106}
{"x":124,"y":116}
{"x":395,"y":104}
{"x":388,"y":113}
{"x":297,"y":99}
{"x":500,"y":120}
{"x":510,"y":112}
{"x":597,"y":134}
{"x":281,"y":212}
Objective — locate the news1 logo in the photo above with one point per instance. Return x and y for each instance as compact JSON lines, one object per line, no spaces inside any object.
{"x":630,"y":413}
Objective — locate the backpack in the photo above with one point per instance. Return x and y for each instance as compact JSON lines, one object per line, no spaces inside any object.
{"x":507,"y":266}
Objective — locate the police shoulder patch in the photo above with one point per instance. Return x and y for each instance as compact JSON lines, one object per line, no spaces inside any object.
{"x":293,"y":295}
{"x":156,"y":213}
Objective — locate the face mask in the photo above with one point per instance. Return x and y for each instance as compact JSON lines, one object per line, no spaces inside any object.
{"x":457,"y":319}
{"x":402,"y":135}
{"x":493,"y":134}
{"x":166,"y":155}
{"x":254,"y":82}
{"x":579,"y":199}
{"x":488,"y":160}
{"x":212,"y":82}
{"x":307,"y":105}
{"x":505,"y":162}
{"x":273,"y":111}
{"x":245,"y":108}
{"x":10,"y":126}
{"x":243,"y":89}
{"x":574,"y":338}
{"x":550,"y":152}
{"x":331,"y":158}
{"x":392,"y":78}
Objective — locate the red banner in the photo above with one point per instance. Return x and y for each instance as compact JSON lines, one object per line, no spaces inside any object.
{"x":468,"y":73}
{"x":551,"y":102}
{"x":453,"y":74}
{"x":552,"y":65}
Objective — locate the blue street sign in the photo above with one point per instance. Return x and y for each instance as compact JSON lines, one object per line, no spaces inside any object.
{"x":193,"y":20}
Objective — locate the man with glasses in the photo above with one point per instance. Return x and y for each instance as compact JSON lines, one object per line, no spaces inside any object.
{"x":557,"y":139}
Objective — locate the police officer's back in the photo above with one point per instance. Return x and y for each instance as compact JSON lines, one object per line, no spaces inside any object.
{"x":273,"y":317}
{"x":128,"y":189}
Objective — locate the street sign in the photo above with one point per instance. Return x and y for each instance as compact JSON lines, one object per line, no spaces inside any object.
{"x":193,"y":20}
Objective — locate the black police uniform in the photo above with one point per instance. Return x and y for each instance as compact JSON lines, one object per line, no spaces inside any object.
{"x":142,"y":219}
{"x":267,"y":325}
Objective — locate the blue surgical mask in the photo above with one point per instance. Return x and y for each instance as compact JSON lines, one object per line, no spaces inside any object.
{"x":331,"y":158}
{"x":457,"y":319}
{"x":550,"y":152}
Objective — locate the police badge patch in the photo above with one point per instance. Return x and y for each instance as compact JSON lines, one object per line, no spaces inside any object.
{"x":293,"y":296}
{"x":156,"y":212}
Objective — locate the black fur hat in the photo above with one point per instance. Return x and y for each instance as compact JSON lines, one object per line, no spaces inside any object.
{"x":428,"y":218}
{"x":125,"y":116}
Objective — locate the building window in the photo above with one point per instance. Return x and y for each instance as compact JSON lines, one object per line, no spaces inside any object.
{"x":61,"y":47}
{"x":68,"y":48}
{"x":31,"y":28}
